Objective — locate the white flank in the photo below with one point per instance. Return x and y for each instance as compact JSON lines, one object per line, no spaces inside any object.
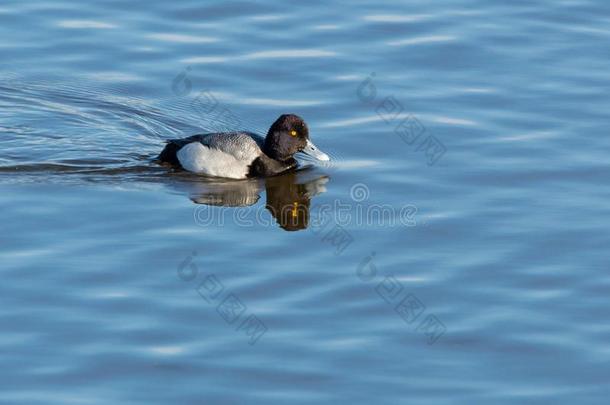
{"x":198,"y":158}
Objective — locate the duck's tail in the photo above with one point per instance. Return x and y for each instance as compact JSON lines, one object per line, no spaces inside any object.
{"x":169,"y":154}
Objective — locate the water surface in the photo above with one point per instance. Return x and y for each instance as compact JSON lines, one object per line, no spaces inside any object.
{"x":453,"y":252}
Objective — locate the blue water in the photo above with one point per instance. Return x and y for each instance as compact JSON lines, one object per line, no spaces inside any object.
{"x":453,"y":251}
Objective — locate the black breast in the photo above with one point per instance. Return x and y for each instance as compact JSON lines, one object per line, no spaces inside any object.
{"x":264,"y":166}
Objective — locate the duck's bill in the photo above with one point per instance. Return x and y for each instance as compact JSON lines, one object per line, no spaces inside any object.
{"x":313,"y":151}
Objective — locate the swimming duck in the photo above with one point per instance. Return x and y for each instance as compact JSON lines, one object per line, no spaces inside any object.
{"x":239,"y":155}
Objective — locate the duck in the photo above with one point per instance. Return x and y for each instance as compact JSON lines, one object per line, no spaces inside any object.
{"x":243,"y":154}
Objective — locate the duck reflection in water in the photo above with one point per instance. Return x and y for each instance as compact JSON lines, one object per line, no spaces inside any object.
{"x":288,"y":195}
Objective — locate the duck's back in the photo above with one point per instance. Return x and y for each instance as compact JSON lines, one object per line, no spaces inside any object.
{"x":243,"y":146}
{"x":227,"y":154}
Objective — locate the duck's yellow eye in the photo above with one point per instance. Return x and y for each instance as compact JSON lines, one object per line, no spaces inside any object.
{"x":293,"y":133}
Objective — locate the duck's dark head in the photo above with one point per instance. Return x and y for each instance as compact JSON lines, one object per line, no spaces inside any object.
{"x":288,"y":135}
